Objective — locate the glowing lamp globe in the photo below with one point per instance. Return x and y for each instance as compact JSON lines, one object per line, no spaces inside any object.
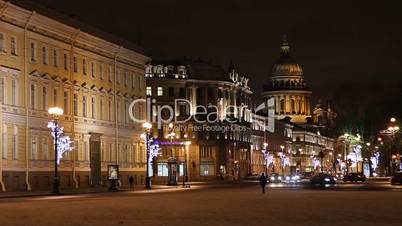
{"x":56,"y":111}
{"x":146,"y":125}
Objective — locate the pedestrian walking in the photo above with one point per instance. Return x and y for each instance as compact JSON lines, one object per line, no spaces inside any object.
{"x":131,"y":182}
{"x":263,"y":182}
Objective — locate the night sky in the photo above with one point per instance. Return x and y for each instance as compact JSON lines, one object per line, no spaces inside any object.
{"x":351,"y":52}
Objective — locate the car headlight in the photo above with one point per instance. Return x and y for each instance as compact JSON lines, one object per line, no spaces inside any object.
{"x":327,"y":179}
{"x":297,"y":177}
{"x":294,"y":178}
{"x":287,"y":178}
{"x":279,"y":178}
{"x":335,"y":179}
{"x":272,"y":178}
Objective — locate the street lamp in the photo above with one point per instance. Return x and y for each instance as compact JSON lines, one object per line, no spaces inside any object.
{"x":185,"y":178}
{"x":147,"y":127}
{"x":55,"y":112}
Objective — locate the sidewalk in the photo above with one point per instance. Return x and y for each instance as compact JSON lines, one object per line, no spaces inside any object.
{"x":137,"y":188}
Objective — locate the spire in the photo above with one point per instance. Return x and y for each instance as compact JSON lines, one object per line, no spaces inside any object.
{"x":285,"y":46}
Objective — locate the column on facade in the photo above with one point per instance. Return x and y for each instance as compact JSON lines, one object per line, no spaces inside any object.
{"x":277,"y":104}
{"x":297,"y":107}
{"x":193,"y":99}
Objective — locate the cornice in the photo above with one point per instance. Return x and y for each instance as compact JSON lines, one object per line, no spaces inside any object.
{"x":46,"y":26}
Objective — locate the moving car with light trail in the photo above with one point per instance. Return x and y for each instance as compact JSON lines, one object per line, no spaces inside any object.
{"x":292,"y":178}
{"x":322,"y":179}
{"x":354,"y":177}
{"x":275,"y":178}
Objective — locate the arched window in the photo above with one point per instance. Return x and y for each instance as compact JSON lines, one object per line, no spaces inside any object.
{"x":282,"y":105}
{"x":292,"y":106}
{"x":300,"y":106}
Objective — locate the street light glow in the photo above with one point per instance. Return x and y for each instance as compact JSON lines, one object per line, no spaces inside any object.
{"x":146,"y":125}
{"x":392,"y":119}
{"x":56,"y":111}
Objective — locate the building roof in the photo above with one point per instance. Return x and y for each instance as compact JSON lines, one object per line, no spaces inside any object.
{"x":286,"y":65}
{"x":55,"y":15}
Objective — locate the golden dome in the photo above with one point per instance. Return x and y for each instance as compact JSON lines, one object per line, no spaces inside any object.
{"x":286,"y":66}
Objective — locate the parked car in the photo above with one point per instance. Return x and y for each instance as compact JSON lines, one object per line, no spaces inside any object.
{"x":397,"y":178}
{"x":354,"y":177}
{"x":322,"y":179}
{"x":275,"y":178}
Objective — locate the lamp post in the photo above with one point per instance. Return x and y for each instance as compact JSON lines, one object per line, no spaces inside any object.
{"x":282,"y":159}
{"x":172,"y":162}
{"x":185,"y":177}
{"x":393,"y":129}
{"x":55,"y":112}
{"x":266,"y":158}
{"x":147,"y":127}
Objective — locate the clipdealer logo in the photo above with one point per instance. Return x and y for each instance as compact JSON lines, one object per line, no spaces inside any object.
{"x":164,"y":114}
{"x":210,"y":114}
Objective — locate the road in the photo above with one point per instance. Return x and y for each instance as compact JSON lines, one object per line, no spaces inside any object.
{"x":234,"y":204}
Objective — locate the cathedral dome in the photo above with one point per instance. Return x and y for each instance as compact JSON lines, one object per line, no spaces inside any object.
{"x":286,"y":66}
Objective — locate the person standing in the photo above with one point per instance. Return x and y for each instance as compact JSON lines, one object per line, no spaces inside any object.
{"x":263,"y":182}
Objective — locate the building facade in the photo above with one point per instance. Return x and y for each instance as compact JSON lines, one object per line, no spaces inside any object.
{"x":44,"y":63}
{"x":299,"y":142}
{"x":288,"y":88}
{"x":213,"y":114}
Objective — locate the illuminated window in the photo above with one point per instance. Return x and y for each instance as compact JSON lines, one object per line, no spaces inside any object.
{"x":159,"y":91}
{"x":14,"y":92}
{"x":75,"y":104}
{"x":44,"y":98}
{"x":44,"y":55}
{"x":55,"y":97}
{"x":13,"y":46}
{"x":75,"y":64}
{"x":84,"y":106}
{"x":93,"y":69}
{"x":32,"y":96}
{"x":54,"y":57}
{"x":162,"y":169}
{"x":84,"y":67}
{"x":33,"y":52}
{"x":93,"y":110}
{"x":2,"y":49}
{"x":65,"y":102}
{"x":101,"y":71}
{"x":109,"y":73}
{"x":45,"y":149}
{"x":110,"y":108}
{"x":65,"y":61}
{"x":2,"y":90}
{"x":118,"y":76}
{"x":34,"y":151}
{"x":125,"y":77}
{"x":15,"y":143}
{"x":4,"y":140}
{"x":101,"y":108}
{"x":207,"y":169}
{"x":149,"y":91}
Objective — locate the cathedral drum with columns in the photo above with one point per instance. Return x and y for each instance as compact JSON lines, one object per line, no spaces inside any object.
{"x":288,"y":88}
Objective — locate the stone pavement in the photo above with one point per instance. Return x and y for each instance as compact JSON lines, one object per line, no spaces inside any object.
{"x":94,"y":190}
